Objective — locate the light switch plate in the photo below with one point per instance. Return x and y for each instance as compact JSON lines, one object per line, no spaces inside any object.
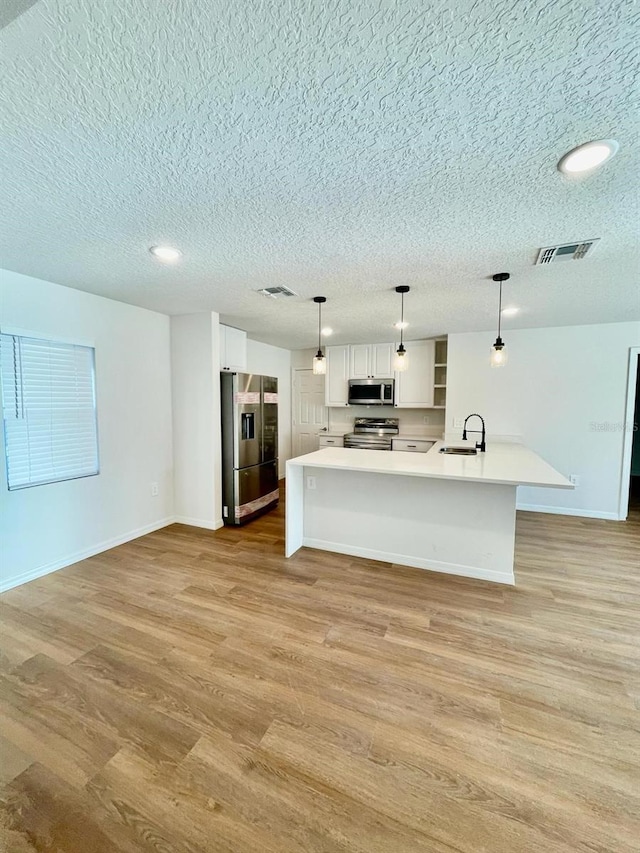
{"x":458,"y":423}
{"x":311,"y":483}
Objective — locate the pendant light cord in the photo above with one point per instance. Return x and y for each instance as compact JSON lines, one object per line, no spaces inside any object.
{"x":319,"y":326}
{"x":500,"y":309}
{"x":401,"y":289}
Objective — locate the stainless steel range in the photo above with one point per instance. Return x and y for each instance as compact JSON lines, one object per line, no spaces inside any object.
{"x":372,"y":433}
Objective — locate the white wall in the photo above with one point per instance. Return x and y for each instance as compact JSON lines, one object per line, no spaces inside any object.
{"x":45,"y":527}
{"x":195,"y":371}
{"x":273,"y":361}
{"x":302,"y":358}
{"x":563,"y":392}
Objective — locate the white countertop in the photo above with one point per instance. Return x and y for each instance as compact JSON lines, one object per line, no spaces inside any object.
{"x":504,"y":464}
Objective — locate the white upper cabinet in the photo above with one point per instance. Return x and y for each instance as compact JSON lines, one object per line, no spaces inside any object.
{"x":414,"y":386}
{"x":233,"y":349}
{"x":371,"y":361}
{"x":382,"y":361}
{"x":360,"y":361}
{"x":336,"y":381}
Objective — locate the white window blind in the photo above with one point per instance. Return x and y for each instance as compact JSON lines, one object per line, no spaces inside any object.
{"x":49,"y":411}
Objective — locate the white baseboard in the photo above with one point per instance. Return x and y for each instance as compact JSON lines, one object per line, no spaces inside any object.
{"x":414,"y":562}
{"x":199,"y":522}
{"x":562,"y":510}
{"x":70,"y":559}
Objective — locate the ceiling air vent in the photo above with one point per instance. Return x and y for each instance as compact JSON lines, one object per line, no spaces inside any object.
{"x":277,"y":292}
{"x":566,"y":252}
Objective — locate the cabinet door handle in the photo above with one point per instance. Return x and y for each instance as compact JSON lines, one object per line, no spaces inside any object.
{"x":411,"y":445}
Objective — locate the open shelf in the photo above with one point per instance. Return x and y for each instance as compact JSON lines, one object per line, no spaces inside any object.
{"x":440,"y":374}
{"x":439,"y":397}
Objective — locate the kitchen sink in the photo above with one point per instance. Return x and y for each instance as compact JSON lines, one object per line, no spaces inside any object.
{"x":459,"y":451}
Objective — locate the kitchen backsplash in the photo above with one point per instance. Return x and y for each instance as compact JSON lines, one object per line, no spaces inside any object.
{"x":411,"y":420}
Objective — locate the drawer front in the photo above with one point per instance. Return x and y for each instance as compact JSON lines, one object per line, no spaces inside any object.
{"x":417,"y":446}
{"x":331,"y":441}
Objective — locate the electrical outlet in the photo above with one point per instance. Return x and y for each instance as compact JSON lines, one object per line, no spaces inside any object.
{"x":311,"y":482}
{"x":575,"y":479}
{"x":458,"y":423}
{"x":155,"y":491}
{"x":425,"y":419}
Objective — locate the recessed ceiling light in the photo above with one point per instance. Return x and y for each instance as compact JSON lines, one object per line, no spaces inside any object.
{"x":166,"y":254}
{"x":588,"y":156}
{"x":327,"y":331}
{"x":400,"y":325}
{"x":510,"y":312}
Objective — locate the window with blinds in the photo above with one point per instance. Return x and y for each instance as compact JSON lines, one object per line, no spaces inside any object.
{"x":49,"y":411}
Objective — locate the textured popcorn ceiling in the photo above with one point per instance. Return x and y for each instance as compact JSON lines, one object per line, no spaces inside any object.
{"x":338,"y":148}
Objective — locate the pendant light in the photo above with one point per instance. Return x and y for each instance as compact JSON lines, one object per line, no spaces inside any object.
{"x":401,"y":361}
{"x":319,"y":361}
{"x":498,"y":350}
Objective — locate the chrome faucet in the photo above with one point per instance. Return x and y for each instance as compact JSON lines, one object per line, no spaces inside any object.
{"x":482,"y":444}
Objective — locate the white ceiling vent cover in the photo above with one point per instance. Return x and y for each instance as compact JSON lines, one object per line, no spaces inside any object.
{"x":566,"y":252}
{"x":276,"y":292}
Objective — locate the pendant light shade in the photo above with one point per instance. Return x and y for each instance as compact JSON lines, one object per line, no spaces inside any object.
{"x":401,"y":360}
{"x":498,"y":356}
{"x":319,"y":365}
{"x":319,"y":361}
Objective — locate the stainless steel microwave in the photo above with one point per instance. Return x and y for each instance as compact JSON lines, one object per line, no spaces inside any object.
{"x":371,"y":392}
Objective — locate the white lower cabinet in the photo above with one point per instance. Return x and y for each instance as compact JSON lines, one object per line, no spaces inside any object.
{"x":417,"y":445}
{"x":414,"y":386}
{"x":336,"y":381}
{"x":331,"y":440}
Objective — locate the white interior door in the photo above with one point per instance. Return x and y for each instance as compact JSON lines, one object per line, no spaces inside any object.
{"x":309,"y":410}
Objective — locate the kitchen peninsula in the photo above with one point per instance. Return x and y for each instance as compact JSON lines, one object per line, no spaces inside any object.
{"x":445,"y":513}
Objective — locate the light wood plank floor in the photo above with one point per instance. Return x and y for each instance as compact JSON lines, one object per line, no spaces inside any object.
{"x":192,"y":691}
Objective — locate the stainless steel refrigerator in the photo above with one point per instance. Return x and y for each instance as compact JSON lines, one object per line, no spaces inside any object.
{"x":249,"y":446}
